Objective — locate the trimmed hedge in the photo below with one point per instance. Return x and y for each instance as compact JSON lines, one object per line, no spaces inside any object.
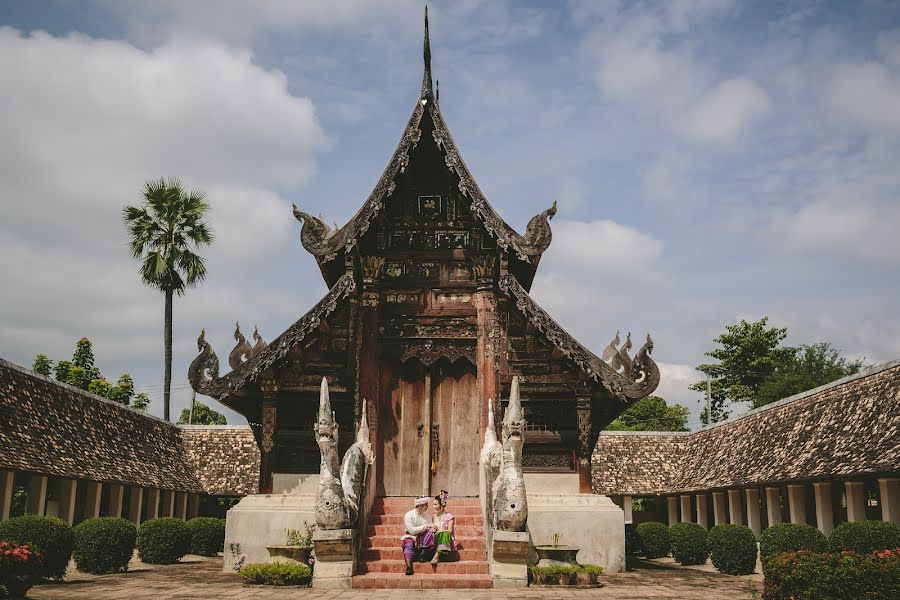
{"x":276,"y":573}
{"x":163,"y":541}
{"x":49,"y":536}
{"x":864,"y":537}
{"x":207,"y":536}
{"x":806,"y":575}
{"x":790,"y":537}
{"x":733,"y":549}
{"x":689,"y":543}
{"x":655,"y":539}
{"x":104,"y":545}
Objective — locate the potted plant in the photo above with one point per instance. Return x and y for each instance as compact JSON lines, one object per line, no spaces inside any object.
{"x":298,"y":548}
{"x":556,"y":554}
{"x":566,"y":574}
{"x":538,"y":575}
{"x":587,"y":575}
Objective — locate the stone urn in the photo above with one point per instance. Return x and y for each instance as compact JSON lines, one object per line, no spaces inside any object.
{"x":550,"y":556}
{"x":290,"y":554}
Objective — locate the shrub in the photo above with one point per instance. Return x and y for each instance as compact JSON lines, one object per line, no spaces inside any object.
{"x":163,"y":541}
{"x":276,"y":573}
{"x":733,"y":549}
{"x":655,"y":539}
{"x":790,"y":537}
{"x":689,"y":544}
{"x":207,"y":535}
{"x":104,"y":545}
{"x":864,"y":537}
{"x":49,"y":536}
{"x":593,"y":569}
{"x":20,"y":567}
{"x":807,"y":575}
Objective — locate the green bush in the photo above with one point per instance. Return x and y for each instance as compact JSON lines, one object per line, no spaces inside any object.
{"x":864,"y":537}
{"x":207,"y":536}
{"x":807,"y":575}
{"x":733,"y":549}
{"x":276,"y":573}
{"x":51,"y":537}
{"x":595,"y":569}
{"x":104,"y":545}
{"x":790,"y":537}
{"x":655,"y":539}
{"x":689,"y":544}
{"x":163,"y":541}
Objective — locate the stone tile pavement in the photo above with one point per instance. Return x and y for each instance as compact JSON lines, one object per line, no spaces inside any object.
{"x":202,"y":579}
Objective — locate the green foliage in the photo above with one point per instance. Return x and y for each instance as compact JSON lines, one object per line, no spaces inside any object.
{"x":733,"y":549}
{"x":42,"y":364}
{"x":806,"y":575}
{"x":276,"y":573}
{"x":651,"y":414}
{"x":689,"y":543}
{"x":163,"y":541}
{"x":104,"y":545}
{"x":50,"y":536}
{"x":656,"y":541}
{"x":790,"y":537}
{"x":811,"y":366}
{"x":207,"y":535}
{"x":554,"y":573}
{"x":593,"y":569}
{"x":61,"y":371}
{"x":203,"y":415}
{"x":101,"y":387}
{"x":864,"y":537}
{"x":123,"y":391}
{"x":141,"y":401}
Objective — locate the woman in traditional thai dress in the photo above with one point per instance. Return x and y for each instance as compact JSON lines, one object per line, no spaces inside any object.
{"x":444,"y":523}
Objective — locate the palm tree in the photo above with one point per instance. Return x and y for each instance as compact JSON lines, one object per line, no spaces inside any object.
{"x":164,"y":233}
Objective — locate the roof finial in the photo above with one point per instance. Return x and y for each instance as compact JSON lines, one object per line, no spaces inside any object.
{"x":426,"y":79}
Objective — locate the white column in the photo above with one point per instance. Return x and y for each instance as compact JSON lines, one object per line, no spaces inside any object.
{"x":773,"y":505}
{"x":167,"y":503}
{"x":181,"y":505}
{"x":37,"y":494}
{"x":67,"y":490}
{"x":735,"y":507}
{"x":753,"y":518}
{"x":7,"y":480}
{"x":797,"y":503}
{"x":673,"y":510}
{"x":152,"y":503}
{"x":194,"y":507}
{"x":92,"y":495}
{"x":824,"y":510}
{"x":889,"y":498}
{"x":702,"y":515}
{"x":686,"y":513}
{"x":856,"y":500}
{"x":626,"y":507}
{"x":719,"y":508}
{"x":135,"y":504}
{"x":116,"y":495}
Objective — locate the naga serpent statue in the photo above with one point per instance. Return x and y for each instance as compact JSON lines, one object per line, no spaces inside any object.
{"x":341,"y":486}
{"x":509,"y":501}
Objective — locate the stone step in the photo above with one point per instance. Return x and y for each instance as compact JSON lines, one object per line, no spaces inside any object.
{"x":456,"y":510}
{"x":396,"y":530}
{"x":390,"y":541}
{"x":409,"y":500}
{"x":396,"y":553}
{"x":426,"y":581}
{"x":479,"y":567}
{"x":397,"y":519}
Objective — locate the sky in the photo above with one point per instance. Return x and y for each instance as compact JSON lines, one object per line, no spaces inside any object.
{"x":713,"y":160}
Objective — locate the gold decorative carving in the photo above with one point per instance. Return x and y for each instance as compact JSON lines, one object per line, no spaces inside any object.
{"x":268,"y":426}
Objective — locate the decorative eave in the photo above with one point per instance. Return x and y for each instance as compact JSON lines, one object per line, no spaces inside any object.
{"x":326,"y":244}
{"x":203,"y":373}
{"x":639,"y":376}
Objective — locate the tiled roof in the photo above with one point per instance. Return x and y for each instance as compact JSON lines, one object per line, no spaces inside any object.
{"x":224,"y":458}
{"x":847,"y":428}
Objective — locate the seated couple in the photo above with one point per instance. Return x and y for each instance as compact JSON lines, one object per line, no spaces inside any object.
{"x":427,"y":537}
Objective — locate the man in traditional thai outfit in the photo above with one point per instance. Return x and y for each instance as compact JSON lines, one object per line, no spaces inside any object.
{"x":419,"y":536}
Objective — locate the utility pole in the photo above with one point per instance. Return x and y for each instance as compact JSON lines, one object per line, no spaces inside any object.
{"x":191,"y":412}
{"x":708,"y":401}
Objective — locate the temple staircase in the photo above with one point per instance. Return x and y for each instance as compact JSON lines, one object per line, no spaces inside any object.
{"x":381,"y":564}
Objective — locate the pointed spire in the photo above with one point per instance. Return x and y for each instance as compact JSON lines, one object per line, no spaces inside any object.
{"x":362,"y":436}
{"x":490,"y":434}
{"x":514,"y":410}
{"x":426,"y":51}
{"x":325,"y":414}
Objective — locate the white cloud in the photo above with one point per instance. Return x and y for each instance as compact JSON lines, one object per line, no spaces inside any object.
{"x":727,"y":110}
{"x":868,"y":95}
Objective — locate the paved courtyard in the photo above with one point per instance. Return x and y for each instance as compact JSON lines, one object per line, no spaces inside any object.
{"x":202,"y":579}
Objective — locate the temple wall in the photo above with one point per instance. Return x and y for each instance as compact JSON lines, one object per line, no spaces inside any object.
{"x":263,"y":520}
{"x":550,"y":483}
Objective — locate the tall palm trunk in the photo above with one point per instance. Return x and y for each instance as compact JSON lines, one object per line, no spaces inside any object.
{"x":167,"y":335}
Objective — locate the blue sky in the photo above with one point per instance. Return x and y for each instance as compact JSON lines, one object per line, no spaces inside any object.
{"x":713,"y":160}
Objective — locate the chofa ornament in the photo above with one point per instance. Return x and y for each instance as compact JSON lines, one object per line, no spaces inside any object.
{"x":510,"y":503}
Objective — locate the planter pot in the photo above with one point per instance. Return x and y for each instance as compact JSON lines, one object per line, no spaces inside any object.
{"x":290,"y":554}
{"x":567,"y":578}
{"x":551,"y":556}
{"x":586,"y":578}
{"x":538,"y":578}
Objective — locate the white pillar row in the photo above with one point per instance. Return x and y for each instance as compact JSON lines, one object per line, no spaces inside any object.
{"x":797,"y":503}
{"x":673,"y":510}
{"x":626,"y":507}
{"x":754,"y":521}
{"x":735,"y":508}
{"x":116,"y":496}
{"x":824,"y":510}
{"x":152,"y":499}
{"x":856,"y":500}
{"x":702,"y":515}
{"x":194,"y":507}
{"x":719,"y":508}
{"x":92,"y":495}
{"x":167,"y":503}
{"x":67,"y":491}
{"x":773,"y":505}
{"x":889,"y":498}
{"x":37,"y":494}
{"x":7,"y":478}
{"x":135,"y":505}
{"x":686,"y":513}
{"x":181,"y":505}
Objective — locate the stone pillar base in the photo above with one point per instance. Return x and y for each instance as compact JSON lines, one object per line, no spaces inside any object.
{"x":334,"y":558}
{"x":509,"y":563}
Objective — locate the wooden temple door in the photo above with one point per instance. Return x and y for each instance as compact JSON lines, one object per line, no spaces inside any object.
{"x":455,"y":429}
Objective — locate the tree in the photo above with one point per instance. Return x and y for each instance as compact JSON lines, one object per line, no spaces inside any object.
{"x":651,"y":414}
{"x":141,"y":402}
{"x":164,"y":233}
{"x":203,"y":415}
{"x":81,"y":372}
{"x":42,"y":364}
{"x":121,"y":392}
{"x":812,"y":366}
{"x":61,"y":371}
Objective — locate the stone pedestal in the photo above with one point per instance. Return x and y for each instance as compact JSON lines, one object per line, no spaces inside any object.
{"x":334,"y":558}
{"x":509,"y":562}
{"x":263,"y":520}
